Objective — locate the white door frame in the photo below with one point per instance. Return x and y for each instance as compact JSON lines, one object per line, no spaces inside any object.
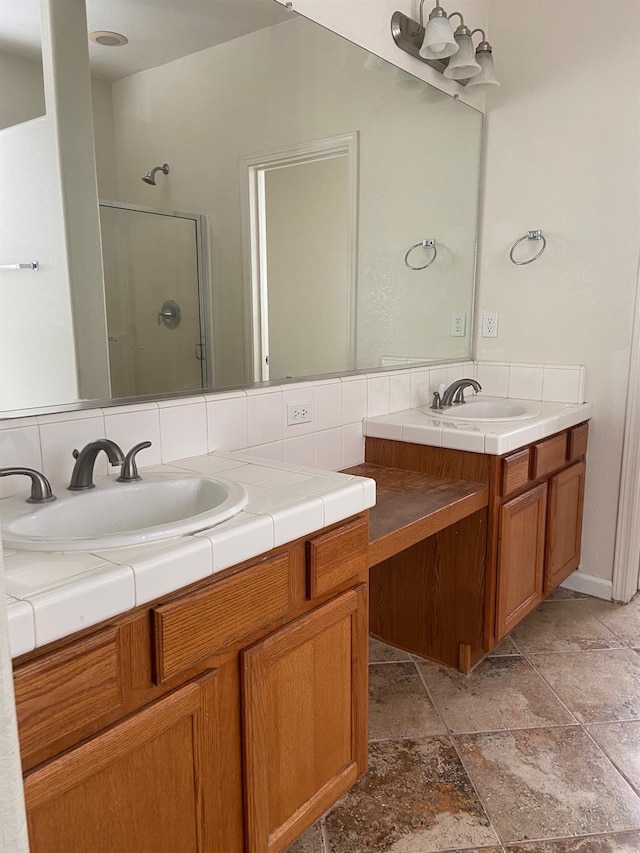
{"x":626,"y":562}
{"x":254,"y":256}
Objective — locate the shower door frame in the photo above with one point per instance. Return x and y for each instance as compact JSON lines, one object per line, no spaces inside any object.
{"x":204,"y":280}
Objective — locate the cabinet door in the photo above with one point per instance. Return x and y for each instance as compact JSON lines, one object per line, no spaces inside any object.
{"x":521,"y":539}
{"x":564,"y":528}
{"x":141,"y":786}
{"x":305,"y":719}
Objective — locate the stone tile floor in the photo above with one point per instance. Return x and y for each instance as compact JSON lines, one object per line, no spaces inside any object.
{"x":537,"y":751}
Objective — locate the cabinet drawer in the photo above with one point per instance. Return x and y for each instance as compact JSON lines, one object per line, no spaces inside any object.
{"x":197,"y":625}
{"x":515,"y":472}
{"x":577,"y":442}
{"x":548,"y":455}
{"x":336,"y":557}
{"x":66,"y":690}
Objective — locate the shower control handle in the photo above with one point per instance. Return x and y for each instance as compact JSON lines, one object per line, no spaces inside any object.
{"x":169,"y":314}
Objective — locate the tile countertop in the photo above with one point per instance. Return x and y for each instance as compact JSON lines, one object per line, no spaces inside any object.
{"x":493,"y":437}
{"x":52,"y":595}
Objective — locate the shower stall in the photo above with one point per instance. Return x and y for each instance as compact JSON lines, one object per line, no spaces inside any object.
{"x":157,"y":300}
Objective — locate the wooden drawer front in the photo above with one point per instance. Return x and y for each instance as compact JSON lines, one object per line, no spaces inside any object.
{"x":515,"y":472}
{"x":67,"y":689}
{"x":577,"y":443}
{"x":335,"y":557}
{"x":548,"y":455}
{"x":198,"y":625}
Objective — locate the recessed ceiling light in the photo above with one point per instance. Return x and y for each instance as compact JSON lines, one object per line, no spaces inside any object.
{"x":107,"y":38}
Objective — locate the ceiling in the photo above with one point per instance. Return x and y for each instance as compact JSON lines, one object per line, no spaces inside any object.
{"x":159,"y":31}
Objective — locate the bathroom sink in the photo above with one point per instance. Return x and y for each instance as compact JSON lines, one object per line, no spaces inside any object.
{"x":489,"y":409}
{"x":114,"y":514}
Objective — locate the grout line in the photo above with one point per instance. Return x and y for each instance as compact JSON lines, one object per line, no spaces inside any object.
{"x":460,"y":759}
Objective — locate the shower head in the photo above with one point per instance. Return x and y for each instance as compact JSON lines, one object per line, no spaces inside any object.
{"x":150,"y":177}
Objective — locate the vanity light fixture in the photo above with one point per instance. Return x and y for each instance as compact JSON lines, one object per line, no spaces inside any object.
{"x":452,"y":54}
{"x":462,"y":65}
{"x":484,"y":57}
{"x":438,"y":41}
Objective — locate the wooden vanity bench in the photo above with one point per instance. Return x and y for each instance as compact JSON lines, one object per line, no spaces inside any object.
{"x":427,"y":559}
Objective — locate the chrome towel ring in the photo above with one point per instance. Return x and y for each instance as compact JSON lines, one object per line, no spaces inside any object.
{"x":425,"y":244}
{"x":530,"y":235}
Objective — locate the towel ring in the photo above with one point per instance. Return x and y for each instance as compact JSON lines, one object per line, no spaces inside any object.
{"x":425,"y":244}
{"x":530,"y":235}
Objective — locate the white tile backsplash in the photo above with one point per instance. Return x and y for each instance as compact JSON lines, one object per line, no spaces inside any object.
{"x":265,"y":416}
{"x":183,"y":430}
{"x":256,"y":419}
{"x":125,"y":421}
{"x":19,"y":447}
{"x":327,"y":404}
{"x":494,"y":378}
{"x":354,"y":399}
{"x":227,"y":422}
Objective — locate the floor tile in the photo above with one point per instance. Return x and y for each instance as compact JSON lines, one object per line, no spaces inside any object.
{"x":311,"y":842}
{"x":562,"y":626}
{"x":596,"y":687}
{"x":546,"y":783}
{"x":623,"y":842}
{"x":621,"y":742}
{"x":623,"y":620}
{"x":399,"y":706}
{"x":505,"y":647}
{"x":501,"y":693}
{"x":380,"y":652}
{"x":415,"y":798}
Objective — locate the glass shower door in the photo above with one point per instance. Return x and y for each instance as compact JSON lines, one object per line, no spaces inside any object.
{"x":154,"y":322}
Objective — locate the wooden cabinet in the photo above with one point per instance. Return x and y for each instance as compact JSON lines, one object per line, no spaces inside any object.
{"x":141,"y":786}
{"x":228,"y":718}
{"x":564,"y":527}
{"x":305,"y":708}
{"x":520,"y":564}
{"x":534,"y":522}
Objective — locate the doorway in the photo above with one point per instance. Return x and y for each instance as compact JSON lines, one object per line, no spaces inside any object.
{"x":301,"y":268}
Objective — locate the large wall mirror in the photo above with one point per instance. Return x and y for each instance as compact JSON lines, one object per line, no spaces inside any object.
{"x":260,"y":182}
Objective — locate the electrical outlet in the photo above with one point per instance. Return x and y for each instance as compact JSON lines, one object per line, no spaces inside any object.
{"x":299,"y":413}
{"x":458,"y":324}
{"x":490,"y":324}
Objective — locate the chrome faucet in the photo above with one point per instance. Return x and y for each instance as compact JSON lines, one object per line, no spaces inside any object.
{"x":454,"y":394}
{"x":82,"y":476}
{"x":40,"y":487}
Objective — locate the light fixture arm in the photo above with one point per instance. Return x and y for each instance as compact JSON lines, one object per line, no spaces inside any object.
{"x":484,"y":44}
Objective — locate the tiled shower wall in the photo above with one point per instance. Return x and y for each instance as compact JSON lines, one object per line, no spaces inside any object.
{"x":256,"y":419}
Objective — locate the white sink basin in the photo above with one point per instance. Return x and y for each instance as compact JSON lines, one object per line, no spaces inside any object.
{"x":488,"y":409}
{"x":113,"y":514}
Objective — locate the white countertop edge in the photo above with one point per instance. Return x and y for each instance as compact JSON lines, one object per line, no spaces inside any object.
{"x":54,"y":609}
{"x":492,"y":437}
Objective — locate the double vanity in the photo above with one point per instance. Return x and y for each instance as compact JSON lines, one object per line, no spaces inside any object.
{"x":209,"y":692}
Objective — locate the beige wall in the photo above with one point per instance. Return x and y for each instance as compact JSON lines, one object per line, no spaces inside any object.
{"x":563,"y":154}
{"x":22,"y":90}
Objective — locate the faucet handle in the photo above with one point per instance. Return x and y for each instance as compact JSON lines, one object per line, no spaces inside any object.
{"x":437,"y":401}
{"x":40,"y":487}
{"x":129,"y":470}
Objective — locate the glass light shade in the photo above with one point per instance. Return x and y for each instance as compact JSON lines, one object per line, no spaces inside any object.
{"x":462,"y":64}
{"x":487,"y":75}
{"x":438,"y":42}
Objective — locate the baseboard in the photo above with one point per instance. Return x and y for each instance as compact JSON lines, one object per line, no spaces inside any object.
{"x":589,"y":585}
